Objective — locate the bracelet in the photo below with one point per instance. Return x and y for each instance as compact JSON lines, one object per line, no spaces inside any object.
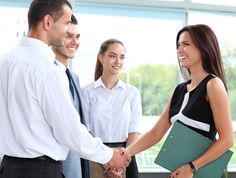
{"x":194,"y":169}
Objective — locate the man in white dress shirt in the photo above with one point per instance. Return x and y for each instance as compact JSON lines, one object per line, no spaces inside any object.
{"x":39,"y":123}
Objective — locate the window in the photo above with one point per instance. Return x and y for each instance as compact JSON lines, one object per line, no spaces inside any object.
{"x":227,"y":41}
{"x":13,"y":27}
{"x":149,"y":37}
{"x":216,"y":2}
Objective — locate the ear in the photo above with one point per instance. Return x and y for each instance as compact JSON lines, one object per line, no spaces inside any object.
{"x":100,"y":57}
{"x":47,"y":22}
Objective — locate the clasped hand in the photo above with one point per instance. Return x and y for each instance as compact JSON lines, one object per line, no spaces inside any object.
{"x":121,"y":159}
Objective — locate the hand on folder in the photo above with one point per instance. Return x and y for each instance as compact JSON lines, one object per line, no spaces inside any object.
{"x":183,"y":172}
{"x":184,"y":145}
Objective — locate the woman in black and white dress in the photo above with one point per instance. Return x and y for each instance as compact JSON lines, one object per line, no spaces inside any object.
{"x":201,"y":103}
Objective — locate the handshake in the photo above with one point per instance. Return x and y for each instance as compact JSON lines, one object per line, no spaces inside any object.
{"x":120,"y":160}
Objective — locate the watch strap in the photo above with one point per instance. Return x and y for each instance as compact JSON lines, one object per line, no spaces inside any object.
{"x":194,"y":169}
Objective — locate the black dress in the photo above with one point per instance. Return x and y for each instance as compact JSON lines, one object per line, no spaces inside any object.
{"x":192,"y":108}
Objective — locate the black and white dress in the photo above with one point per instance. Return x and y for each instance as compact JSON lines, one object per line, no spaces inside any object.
{"x":192,"y":108}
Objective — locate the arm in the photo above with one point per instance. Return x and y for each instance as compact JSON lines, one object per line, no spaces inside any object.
{"x":219,"y":103}
{"x":218,"y":99}
{"x":154,"y":135}
{"x":86,"y":106}
{"x":64,"y":122}
{"x":131,"y":138}
{"x":135,"y":120}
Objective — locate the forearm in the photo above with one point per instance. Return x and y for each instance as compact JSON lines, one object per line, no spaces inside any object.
{"x":131,"y":138}
{"x":214,"y":152}
{"x":145,"y":141}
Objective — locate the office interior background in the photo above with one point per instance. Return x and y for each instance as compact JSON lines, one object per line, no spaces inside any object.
{"x":148,"y":29}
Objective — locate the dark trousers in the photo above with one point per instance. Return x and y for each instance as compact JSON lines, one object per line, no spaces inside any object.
{"x":85,"y":168}
{"x":132,"y":169}
{"x":44,"y":167}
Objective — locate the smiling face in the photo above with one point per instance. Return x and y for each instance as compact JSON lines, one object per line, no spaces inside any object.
{"x":58,"y":29}
{"x":71,"y":44}
{"x":113,"y":59}
{"x":188,"y":54}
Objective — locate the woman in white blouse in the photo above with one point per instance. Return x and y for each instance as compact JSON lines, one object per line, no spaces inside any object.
{"x":114,"y":107}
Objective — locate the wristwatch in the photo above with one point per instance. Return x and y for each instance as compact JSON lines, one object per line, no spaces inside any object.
{"x":194,"y":169}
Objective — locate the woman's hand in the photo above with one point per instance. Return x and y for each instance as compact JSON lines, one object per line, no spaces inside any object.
{"x":184,"y":171}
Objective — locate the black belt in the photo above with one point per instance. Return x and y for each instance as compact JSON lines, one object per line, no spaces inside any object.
{"x":115,"y":144}
{"x":41,"y":158}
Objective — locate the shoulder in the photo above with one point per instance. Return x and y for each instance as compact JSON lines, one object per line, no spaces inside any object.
{"x":130,"y":88}
{"x":88,"y":87}
{"x":215,"y":84}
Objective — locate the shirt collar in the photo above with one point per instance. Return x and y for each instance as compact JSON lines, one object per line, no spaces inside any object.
{"x":40,"y":45}
{"x":99,"y":83}
{"x":58,"y":63}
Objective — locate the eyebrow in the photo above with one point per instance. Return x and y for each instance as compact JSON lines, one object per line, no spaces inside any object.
{"x":112,"y":53}
{"x":184,"y":41}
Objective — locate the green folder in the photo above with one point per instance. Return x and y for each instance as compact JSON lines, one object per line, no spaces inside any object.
{"x":183,"y":145}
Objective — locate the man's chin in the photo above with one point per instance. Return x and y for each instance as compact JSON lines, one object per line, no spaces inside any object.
{"x":70,"y":56}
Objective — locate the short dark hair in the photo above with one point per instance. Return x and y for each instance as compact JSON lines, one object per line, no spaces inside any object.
{"x":74,"y":21}
{"x":39,"y":8}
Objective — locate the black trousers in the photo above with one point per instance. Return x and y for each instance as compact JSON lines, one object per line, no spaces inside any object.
{"x":42,"y":167}
{"x":132,"y":169}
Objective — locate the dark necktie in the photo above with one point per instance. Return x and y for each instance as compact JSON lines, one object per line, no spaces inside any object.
{"x":70,"y":82}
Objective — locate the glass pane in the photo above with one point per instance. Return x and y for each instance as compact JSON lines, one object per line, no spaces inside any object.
{"x":225,"y":31}
{"x":151,"y":62}
{"x":12,"y":27}
{"x":169,"y":0}
{"x":217,"y":2}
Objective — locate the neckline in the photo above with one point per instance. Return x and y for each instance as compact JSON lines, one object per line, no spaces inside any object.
{"x":196,"y":85}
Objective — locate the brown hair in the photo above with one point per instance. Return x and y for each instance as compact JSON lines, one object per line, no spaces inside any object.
{"x":206,"y":41}
{"x":103,"y":48}
{"x":39,"y":8}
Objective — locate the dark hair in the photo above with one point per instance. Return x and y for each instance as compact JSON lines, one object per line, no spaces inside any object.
{"x":39,"y":8}
{"x":74,"y":20}
{"x":103,"y":48}
{"x":206,"y":41}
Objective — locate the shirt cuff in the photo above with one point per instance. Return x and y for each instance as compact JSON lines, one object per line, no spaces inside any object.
{"x":107,"y":155}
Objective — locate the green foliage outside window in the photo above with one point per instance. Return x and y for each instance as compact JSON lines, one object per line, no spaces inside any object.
{"x":157,"y":83}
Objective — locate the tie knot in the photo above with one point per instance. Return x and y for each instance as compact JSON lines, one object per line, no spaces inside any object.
{"x":68,"y":72}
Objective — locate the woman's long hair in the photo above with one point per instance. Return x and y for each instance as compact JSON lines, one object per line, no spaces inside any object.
{"x":206,"y":41}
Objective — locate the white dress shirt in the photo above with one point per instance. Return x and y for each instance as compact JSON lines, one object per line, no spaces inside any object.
{"x":37,"y":115}
{"x":113,"y":114}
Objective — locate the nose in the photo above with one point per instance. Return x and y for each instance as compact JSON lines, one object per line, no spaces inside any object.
{"x":179,"y":49}
{"x":74,"y":40}
{"x":69,"y":29}
{"x":118,"y":60}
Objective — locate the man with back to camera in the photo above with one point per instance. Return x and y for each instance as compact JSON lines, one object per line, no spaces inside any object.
{"x":73,"y":166}
{"x":39,"y":123}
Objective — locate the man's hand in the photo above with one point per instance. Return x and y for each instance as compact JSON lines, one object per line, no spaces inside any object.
{"x":120,"y":160}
